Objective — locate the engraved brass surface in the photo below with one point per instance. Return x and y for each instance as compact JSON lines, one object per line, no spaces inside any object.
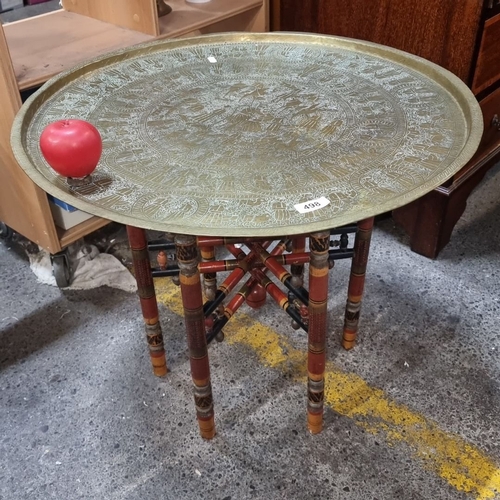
{"x":222,"y":135}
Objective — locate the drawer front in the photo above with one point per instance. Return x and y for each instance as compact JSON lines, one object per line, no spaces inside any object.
{"x":488,"y":60}
{"x":490,"y":107}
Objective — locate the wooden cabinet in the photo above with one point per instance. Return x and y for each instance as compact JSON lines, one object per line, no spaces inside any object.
{"x":35,"y":49}
{"x":463,"y":37}
{"x":487,"y":70}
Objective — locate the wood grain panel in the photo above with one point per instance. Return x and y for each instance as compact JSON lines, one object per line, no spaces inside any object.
{"x":488,"y":61}
{"x":137,"y":15}
{"x":274,"y":15}
{"x":43,"y":46}
{"x":250,"y":21}
{"x":442,"y":31}
{"x":187,"y":19}
{"x":20,"y":197}
{"x":490,"y":106}
{"x":68,"y":236}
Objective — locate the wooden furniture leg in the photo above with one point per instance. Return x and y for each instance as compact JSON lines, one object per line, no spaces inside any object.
{"x":192,"y":300}
{"x":209,"y":279}
{"x":319,"y":244}
{"x":430,"y":220}
{"x":147,"y":296}
{"x":297,"y":270}
{"x":357,"y":282}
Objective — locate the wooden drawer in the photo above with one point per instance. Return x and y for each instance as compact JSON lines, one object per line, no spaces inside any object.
{"x":490,"y":107}
{"x":490,"y":141}
{"x":488,"y":60}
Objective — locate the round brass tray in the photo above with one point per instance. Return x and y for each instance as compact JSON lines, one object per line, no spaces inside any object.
{"x":226,"y":134}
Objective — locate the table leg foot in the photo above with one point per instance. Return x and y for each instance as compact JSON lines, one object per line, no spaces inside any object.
{"x":147,"y":296}
{"x":357,"y":282}
{"x":192,"y":301}
{"x":316,"y":357}
{"x":204,"y":410}
{"x":316,"y":391}
{"x":156,"y":351}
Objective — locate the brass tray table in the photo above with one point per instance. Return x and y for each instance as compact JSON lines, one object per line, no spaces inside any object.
{"x":252,"y":138}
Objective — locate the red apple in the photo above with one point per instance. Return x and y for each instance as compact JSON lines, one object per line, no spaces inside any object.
{"x":71,"y":147}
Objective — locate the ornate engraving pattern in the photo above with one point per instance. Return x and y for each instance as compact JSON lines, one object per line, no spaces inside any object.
{"x":228,"y":147}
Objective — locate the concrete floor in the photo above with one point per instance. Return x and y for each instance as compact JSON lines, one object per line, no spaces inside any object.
{"x":413,"y":412}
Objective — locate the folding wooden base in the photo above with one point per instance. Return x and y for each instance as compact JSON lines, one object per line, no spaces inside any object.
{"x":195,"y":257}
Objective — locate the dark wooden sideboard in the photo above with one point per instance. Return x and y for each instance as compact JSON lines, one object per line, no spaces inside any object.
{"x":463,"y":37}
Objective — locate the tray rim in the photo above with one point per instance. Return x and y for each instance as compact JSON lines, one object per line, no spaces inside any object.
{"x":451,"y":83}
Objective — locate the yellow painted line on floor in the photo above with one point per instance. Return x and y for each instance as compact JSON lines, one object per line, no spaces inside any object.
{"x":463,"y":465}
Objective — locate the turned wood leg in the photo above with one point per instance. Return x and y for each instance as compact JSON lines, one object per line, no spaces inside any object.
{"x":209,"y":279}
{"x":297,"y":270}
{"x":316,"y":356}
{"x":147,"y":296}
{"x":357,"y":282}
{"x":192,"y":300}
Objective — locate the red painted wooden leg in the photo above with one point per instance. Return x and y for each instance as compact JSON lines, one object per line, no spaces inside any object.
{"x":192,"y":300}
{"x":147,"y":296}
{"x":316,"y":356}
{"x":209,"y":279}
{"x":357,"y":282}
{"x":297,"y":270}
